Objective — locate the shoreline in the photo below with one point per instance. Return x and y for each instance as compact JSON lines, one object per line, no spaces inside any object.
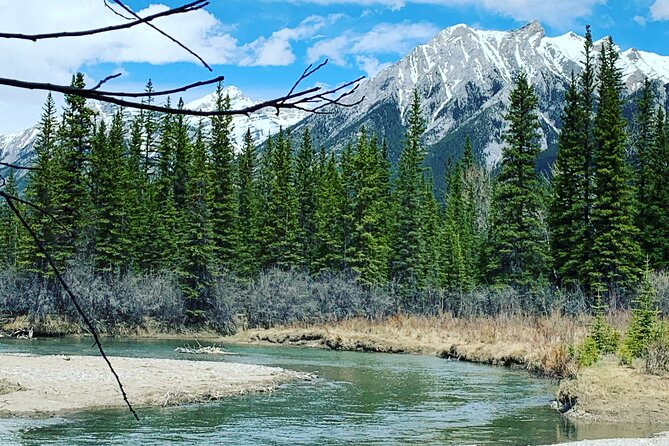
{"x":42,"y":386}
{"x":594,"y":393}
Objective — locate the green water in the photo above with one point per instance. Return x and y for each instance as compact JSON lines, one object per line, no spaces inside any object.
{"x":358,"y":399}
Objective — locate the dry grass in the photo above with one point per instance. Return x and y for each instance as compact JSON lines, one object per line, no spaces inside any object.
{"x":539,"y":344}
{"x":610,"y":392}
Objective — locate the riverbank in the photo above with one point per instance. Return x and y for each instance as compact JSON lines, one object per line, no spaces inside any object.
{"x":539,"y":345}
{"x":657,"y":440}
{"x":610,"y":392}
{"x":606,"y":392}
{"x":48,"y":385}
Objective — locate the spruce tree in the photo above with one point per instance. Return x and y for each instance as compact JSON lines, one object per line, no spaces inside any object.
{"x":109,"y":194}
{"x":368,"y":248}
{"x":248,"y":211}
{"x":409,"y":243}
{"x":518,"y":243}
{"x":40,"y":190}
{"x":615,"y":251}
{"x":71,"y":196}
{"x":11,"y":229}
{"x":223,"y":205}
{"x":305,"y":187}
{"x":651,"y":172}
{"x":329,"y":218}
{"x":567,"y":201}
{"x":198,"y":247}
{"x":280,"y":225}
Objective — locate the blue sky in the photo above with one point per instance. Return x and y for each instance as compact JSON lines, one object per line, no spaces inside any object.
{"x":262,"y":46}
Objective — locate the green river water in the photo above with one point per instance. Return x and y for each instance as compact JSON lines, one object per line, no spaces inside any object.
{"x":358,"y":399}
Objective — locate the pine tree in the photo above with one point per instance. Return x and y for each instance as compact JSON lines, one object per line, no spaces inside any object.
{"x":248,"y":211}
{"x":518,"y":243}
{"x":644,"y":318}
{"x":409,"y":243}
{"x":223,"y":205}
{"x":615,"y":251}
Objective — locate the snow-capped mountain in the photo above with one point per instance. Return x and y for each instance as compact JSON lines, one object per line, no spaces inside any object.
{"x":463,"y":77}
{"x":17,"y":147}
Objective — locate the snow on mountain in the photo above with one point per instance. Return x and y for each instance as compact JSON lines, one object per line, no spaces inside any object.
{"x":17,"y":147}
{"x":463,"y":77}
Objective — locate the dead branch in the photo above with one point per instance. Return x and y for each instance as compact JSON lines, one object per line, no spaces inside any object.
{"x":106,"y":79}
{"x":193,"y":6}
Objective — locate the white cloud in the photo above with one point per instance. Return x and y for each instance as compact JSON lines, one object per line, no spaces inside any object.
{"x":640,"y":20}
{"x":277,"y":49}
{"x":556,"y":13}
{"x":371,"y":65}
{"x":660,"y":10}
{"x":385,"y":38}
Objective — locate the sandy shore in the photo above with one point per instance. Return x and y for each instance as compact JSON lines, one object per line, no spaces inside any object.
{"x":47,"y":385}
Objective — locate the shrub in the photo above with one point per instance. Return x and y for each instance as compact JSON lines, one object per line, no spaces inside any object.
{"x":644,"y":319}
{"x":587,"y":353}
{"x":657,"y":351}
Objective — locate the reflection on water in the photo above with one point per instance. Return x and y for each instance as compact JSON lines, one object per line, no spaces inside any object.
{"x":360,"y":398}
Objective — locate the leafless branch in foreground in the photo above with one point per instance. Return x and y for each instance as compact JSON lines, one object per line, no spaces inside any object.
{"x":193,"y":6}
{"x":10,"y":202}
{"x":17,"y":167}
{"x":299,"y":100}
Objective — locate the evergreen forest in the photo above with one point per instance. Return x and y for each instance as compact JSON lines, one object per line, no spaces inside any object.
{"x":168,"y":209}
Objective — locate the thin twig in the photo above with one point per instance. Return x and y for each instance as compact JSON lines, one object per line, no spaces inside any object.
{"x":193,"y":6}
{"x":107,"y":79}
{"x":130,"y":11}
{"x":108,"y":6}
{"x":73,"y":298}
{"x":154,"y":94}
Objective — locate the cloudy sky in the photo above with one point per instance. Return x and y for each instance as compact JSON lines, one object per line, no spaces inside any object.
{"x":262,"y":46}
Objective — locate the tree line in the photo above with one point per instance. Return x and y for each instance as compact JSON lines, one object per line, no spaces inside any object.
{"x":152,"y":192}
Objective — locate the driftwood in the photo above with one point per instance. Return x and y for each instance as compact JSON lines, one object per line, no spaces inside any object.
{"x":203,"y":350}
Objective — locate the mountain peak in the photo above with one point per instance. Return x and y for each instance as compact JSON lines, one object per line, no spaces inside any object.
{"x":532,"y":31}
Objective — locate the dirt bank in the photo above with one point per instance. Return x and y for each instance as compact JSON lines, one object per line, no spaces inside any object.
{"x":46,"y":385}
{"x":609,"y":392}
{"x":657,"y":440}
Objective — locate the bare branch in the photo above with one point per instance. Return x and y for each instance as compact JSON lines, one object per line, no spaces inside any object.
{"x":107,"y":79}
{"x":17,"y":167}
{"x":290,"y":101}
{"x":73,"y":298}
{"x":193,"y":6}
{"x":130,"y":11}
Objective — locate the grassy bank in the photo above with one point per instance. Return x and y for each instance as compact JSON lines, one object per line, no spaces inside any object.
{"x":538,"y":344}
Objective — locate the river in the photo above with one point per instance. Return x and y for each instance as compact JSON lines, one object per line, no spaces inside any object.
{"x":358,"y":399}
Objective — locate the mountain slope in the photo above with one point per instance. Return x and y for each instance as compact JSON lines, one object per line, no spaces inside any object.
{"x":463,"y":77}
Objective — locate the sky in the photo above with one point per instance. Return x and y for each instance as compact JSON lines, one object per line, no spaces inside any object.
{"x":263,"y":46}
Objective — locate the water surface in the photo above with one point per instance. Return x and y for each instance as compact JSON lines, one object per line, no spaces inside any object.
{"x":358,"y":399}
